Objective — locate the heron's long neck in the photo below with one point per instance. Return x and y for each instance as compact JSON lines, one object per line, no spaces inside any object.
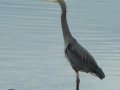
{"x":66,"y":32}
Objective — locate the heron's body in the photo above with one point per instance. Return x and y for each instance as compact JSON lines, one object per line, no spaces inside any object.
{"x":79,"y":58}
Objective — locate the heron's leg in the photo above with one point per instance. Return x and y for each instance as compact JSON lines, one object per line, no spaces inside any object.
{"x":77,"y":80}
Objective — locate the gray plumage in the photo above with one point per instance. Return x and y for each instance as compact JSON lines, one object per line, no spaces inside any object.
{"x":79,"y":58}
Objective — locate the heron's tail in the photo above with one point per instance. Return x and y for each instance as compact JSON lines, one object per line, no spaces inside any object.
{"x":100,"y":73}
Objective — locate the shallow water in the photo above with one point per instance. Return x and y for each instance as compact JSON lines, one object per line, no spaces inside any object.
{"x":31,"y":44}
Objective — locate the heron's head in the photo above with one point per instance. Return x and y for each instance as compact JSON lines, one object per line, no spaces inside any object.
{"x":57,"y":1}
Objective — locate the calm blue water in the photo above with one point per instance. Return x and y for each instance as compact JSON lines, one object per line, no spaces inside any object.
{"x":31,"y":44}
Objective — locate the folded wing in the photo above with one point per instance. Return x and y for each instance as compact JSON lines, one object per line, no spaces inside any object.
{"x":81,"y":59}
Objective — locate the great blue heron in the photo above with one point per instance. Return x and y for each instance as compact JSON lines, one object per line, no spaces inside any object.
{"x":79,"y":58}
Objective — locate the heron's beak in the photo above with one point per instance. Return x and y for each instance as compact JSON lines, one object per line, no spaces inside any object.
{"x":52,"y":1}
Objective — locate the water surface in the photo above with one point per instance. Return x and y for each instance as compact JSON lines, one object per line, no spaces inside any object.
{"x":31,"y":44}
